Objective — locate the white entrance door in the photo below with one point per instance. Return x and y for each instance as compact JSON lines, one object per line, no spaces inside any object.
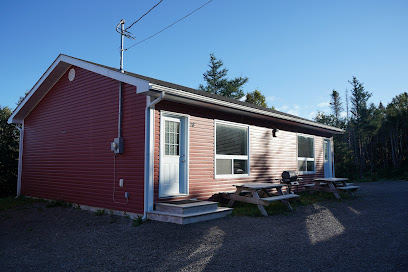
{"x":173,"y":156}
{"x":327,"y":158}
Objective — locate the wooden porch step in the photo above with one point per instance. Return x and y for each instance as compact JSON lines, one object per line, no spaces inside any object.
{"x":186,"y":207}
{"x":280,"y":197}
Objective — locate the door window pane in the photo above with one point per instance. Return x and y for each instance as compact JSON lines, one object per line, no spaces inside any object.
{"x":326,"y":150}
{"x":171,"y":138}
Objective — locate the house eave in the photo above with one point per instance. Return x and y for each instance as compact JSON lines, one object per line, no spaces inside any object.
{"x":209,"y":102}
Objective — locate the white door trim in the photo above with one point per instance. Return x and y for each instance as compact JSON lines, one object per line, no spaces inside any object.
{"x":329,"y":158}
{"x":184,"y":122}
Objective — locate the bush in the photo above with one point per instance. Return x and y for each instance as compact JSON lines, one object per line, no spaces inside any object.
{"x":9,"y":141}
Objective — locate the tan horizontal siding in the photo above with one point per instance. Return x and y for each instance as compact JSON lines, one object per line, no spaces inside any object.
{"x":269,"y":156}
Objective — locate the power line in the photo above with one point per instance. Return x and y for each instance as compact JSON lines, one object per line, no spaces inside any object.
{"x":169,"y":26}
{"x":144,"y":15}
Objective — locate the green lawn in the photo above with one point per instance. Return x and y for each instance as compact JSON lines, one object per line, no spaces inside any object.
{"x":12,"y":202}
{"x":277,"y":207}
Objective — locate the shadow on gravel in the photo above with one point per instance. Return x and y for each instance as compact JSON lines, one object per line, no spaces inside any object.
{"x":367,"y":233}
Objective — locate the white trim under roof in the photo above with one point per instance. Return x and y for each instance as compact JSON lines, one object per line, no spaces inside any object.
{"x":142,"y":85}
{"x":211,"y":100}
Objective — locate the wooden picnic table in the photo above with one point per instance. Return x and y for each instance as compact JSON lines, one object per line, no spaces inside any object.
{"x":259,"y":194}
{"x":334,"y":185}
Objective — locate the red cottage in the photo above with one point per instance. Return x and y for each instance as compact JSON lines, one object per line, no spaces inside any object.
{"x":103,"y":139}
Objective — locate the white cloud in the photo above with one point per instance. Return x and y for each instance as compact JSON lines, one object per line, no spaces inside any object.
{"x":270,"y":98}
{"x":282,"y":108}
{"x":323,"y":104}
{"x":243,"y":98}
{"x":343,"y":114}
{"x":311,"y":115}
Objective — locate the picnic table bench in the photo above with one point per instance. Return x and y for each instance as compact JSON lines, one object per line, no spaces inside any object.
{"x":334,"y":185}
{"x":258,"y":193}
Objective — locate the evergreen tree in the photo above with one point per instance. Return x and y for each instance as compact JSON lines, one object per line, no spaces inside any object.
{"x":217,"y":82}
{"x":336,"y":105}
{"x":359,"y":98}
{"x":257,"y":98}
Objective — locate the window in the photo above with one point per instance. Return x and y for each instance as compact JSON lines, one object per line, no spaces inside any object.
{"x":306,"y":159}
{"x":231,"y":150}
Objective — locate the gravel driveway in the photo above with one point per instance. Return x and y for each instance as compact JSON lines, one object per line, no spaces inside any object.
{"x":366,"y":233}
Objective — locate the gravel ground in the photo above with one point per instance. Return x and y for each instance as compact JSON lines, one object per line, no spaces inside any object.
{"x":366,"y":233}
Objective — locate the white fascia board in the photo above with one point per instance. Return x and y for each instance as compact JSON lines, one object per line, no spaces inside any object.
{"x":32,"y":91}
{"x":241,"y":107}
{"x":141,"y":85}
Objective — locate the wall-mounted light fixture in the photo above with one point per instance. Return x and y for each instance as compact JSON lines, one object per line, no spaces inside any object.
{"x":274,"y":131}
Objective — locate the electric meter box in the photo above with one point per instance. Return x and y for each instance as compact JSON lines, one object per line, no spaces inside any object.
{"x":117,"y":145}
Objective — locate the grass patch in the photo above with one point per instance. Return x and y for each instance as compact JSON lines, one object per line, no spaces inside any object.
{"x":277,"y":207}
{"x":99,"y":212}
{"x":137,"y":222}
{"x":59,"y":203}
{"x":10,"y":202}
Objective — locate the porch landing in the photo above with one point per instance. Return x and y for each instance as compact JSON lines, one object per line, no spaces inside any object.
{"x":187,"y":211}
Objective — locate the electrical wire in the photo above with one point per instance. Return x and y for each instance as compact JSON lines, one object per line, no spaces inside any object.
{"x":114,"y":183}
{"x":169,"y":26}
{"x":144,"y":15}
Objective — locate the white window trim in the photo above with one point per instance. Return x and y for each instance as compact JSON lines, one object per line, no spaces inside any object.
{"x":232,"y":157}
{"x":305,"y":158}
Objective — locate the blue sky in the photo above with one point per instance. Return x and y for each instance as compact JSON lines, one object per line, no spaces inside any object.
{"x":294,"y":52}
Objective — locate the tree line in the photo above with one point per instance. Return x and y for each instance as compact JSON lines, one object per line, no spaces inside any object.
{"x":375,"y":142}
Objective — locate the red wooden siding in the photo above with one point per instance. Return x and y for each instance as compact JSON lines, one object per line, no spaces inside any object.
{"x":269,"y":156}
{"x":67,"y":143}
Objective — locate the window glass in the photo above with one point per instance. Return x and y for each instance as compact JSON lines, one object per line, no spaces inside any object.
{"x":231,"y":140}
{"x":305,"y":147}
{"x":301,"y":165}
{"x":224,"y":167}
{"x":240,"y":167}
{"x":231,"y":150}
{"x":171,"y":138}
{"x":306,"y":160}
{"x":310,"y":165}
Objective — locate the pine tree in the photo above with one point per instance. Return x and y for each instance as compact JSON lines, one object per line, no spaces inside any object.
{"x":217,"y":82}
{"x":336,"y":105}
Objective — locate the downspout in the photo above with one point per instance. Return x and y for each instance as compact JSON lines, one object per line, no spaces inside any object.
{"x":20,"y":159}
{"x":149,"y":154}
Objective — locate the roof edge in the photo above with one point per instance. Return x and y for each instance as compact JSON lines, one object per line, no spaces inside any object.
{"x":141,"y":85}
{"x":207,"y":99}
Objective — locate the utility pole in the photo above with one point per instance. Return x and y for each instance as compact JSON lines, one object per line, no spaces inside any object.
{"x":122,"y":37}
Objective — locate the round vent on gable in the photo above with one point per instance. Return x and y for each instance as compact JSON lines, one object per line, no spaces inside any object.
{"x":71,"y":74}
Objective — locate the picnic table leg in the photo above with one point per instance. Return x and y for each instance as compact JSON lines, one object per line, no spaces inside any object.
{"x":331,"y":185}
{"x":344,"y":182}
{"x":264,"y":192}
{"x":284,"y":201}
{"x":237,"y":192}
{"x":260,"y":207}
